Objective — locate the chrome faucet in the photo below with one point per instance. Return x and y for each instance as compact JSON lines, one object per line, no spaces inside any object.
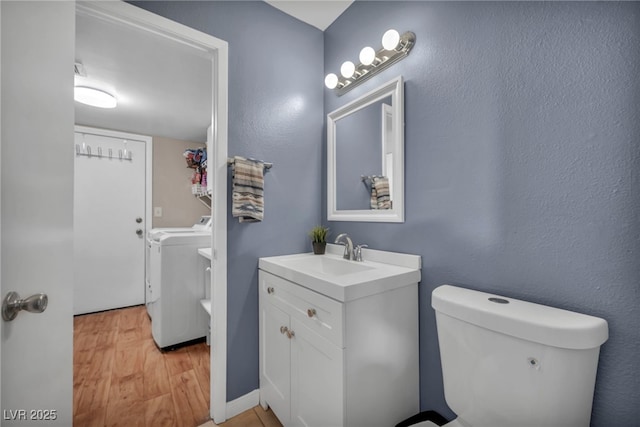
{"x":344,"y":239}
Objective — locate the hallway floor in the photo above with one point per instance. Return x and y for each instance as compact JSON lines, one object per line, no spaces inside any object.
{"x":122,"y":379}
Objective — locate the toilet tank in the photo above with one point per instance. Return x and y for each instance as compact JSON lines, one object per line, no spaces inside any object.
{"x":507,"y":362}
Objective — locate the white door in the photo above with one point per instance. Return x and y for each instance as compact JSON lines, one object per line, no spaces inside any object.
{"x":109,"y":222}
{"x":37,"y":209}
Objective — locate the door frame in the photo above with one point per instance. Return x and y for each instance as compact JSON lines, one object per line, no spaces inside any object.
{"x":218,"y":49}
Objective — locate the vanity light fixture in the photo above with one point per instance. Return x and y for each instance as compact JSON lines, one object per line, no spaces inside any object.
{"x":94,"y":97}
{"x":395,"y":47}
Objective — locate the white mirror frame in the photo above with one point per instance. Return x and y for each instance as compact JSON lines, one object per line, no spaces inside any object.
{"x":395,"y":89}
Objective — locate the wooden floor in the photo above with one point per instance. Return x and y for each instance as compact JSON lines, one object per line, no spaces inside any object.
{"x":120,"y":377}
{"x":256,"y":417}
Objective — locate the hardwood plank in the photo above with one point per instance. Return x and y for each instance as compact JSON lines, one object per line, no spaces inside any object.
{"x":191,"y":407}
{"x":102,"y":321}
{"x":132,"y":317}
{"x":125,"y":414}
{"x":200,"y":359}
{"x":178,"y":361}
{"x":247,"y":418}
{"x":94,"y":393}
{"x":128,"y":359}
{"x":106,"y":339}
{"x":156,"y":376}
{"x":93,"y":418}
{"x":268,"y":418}
{"x":126,"y":390}
{"x":101,"y":364}
{"x":82,"y":360}
{"x":159,"y":412}
{"x":130,"y":336}
{"x":78,"y":324}
{"x":85,"y":341}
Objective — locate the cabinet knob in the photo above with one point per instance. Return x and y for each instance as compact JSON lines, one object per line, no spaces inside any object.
{"x":285,"y":331}
{"x":311,"y":312}
{"x":270,"y":290}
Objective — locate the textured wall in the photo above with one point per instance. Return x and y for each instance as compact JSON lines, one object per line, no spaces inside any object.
{"x":172,"y":184}
{"x":522,"y":164}
{"x":275,"y":114}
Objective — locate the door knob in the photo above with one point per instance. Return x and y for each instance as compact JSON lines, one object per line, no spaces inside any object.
{"x":139,"y":232}
{"x":138,"y":220}
{"x":12,"y":305}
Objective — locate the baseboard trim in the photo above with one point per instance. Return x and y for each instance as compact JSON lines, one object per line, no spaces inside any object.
{"x":243,"y":403}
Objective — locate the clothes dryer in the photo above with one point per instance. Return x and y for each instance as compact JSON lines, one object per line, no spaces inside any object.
{"x":176,"y":286}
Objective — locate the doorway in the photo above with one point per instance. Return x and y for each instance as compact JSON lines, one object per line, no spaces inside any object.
{"x":112,"y":183}
{"x":128,"y":16}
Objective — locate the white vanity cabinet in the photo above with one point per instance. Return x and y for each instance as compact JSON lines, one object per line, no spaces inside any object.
{"x":331,"y":363}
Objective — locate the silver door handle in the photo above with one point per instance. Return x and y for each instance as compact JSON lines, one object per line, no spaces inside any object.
{"x":12,"y":305}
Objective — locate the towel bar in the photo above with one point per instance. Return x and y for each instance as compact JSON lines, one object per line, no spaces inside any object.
{"x":231,"y":161}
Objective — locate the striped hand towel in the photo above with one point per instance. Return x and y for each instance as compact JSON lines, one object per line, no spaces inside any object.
{"x":380,"y":198}
{"x":248,"y":189}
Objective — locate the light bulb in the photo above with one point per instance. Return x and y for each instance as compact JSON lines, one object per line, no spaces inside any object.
{"x":94,"y":97}
{"x":331,"y":81}
{"x":390,"y":39}
{"x":367,"y":55}
{"x":347,"y":69}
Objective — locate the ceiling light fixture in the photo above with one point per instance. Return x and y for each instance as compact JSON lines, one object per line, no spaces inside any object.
{"x":395,"y":47}
{"x":94,"y":97}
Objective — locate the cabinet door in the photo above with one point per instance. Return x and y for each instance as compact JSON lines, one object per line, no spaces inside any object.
{"x":275,"y":358}
{"x":317,"y":381}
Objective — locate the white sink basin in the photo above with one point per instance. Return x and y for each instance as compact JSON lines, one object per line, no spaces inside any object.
{"x":328,"y":265}
{"x":345,"y":280}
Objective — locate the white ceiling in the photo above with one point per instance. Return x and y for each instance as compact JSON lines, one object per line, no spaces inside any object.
{"x":319,"y":13}
{"x":163,"y":87}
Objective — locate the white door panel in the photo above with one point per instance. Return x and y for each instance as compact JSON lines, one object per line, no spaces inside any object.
{"x":275,"y":373}
{"x":316,"y":379}
{"x":109,"y":199}
{"x":37,"y":202}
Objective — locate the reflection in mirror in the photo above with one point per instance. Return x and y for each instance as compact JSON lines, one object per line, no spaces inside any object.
{"x":365,"y":167}
{"x":361,"y":156}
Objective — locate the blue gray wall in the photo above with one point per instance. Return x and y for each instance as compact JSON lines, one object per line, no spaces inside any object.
{"x":522,"y":164}
{"x":275,"y":114}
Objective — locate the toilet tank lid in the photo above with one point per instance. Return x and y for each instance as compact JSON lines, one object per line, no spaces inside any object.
{"x":529,"y":321}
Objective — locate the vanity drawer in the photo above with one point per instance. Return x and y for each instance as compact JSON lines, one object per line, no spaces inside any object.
{"x":319,"y":313}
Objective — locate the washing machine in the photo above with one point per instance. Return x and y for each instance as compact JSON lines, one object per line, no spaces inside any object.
{"x":203,"y":224}
{"x":176,"y":284}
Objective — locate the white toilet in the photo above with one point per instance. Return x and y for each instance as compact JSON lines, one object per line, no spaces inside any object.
{"x":510,"y":363}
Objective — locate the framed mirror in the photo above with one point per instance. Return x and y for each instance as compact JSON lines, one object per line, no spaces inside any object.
{"x":365,"y":157}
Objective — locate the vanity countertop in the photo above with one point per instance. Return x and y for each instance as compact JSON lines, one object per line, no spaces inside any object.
{"x":345,"y":280}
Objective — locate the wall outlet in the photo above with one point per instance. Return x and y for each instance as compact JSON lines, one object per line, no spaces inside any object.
{"x":157,"y":211}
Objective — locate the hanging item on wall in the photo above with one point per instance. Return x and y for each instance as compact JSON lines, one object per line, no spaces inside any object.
{"x":197,"y":159}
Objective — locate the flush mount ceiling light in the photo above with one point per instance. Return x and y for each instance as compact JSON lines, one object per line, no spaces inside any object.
{"x":395,"y":47}
{"x":94,"y":97}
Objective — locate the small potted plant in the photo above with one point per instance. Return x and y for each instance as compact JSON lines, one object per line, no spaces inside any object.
{"x":318,"y":236}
